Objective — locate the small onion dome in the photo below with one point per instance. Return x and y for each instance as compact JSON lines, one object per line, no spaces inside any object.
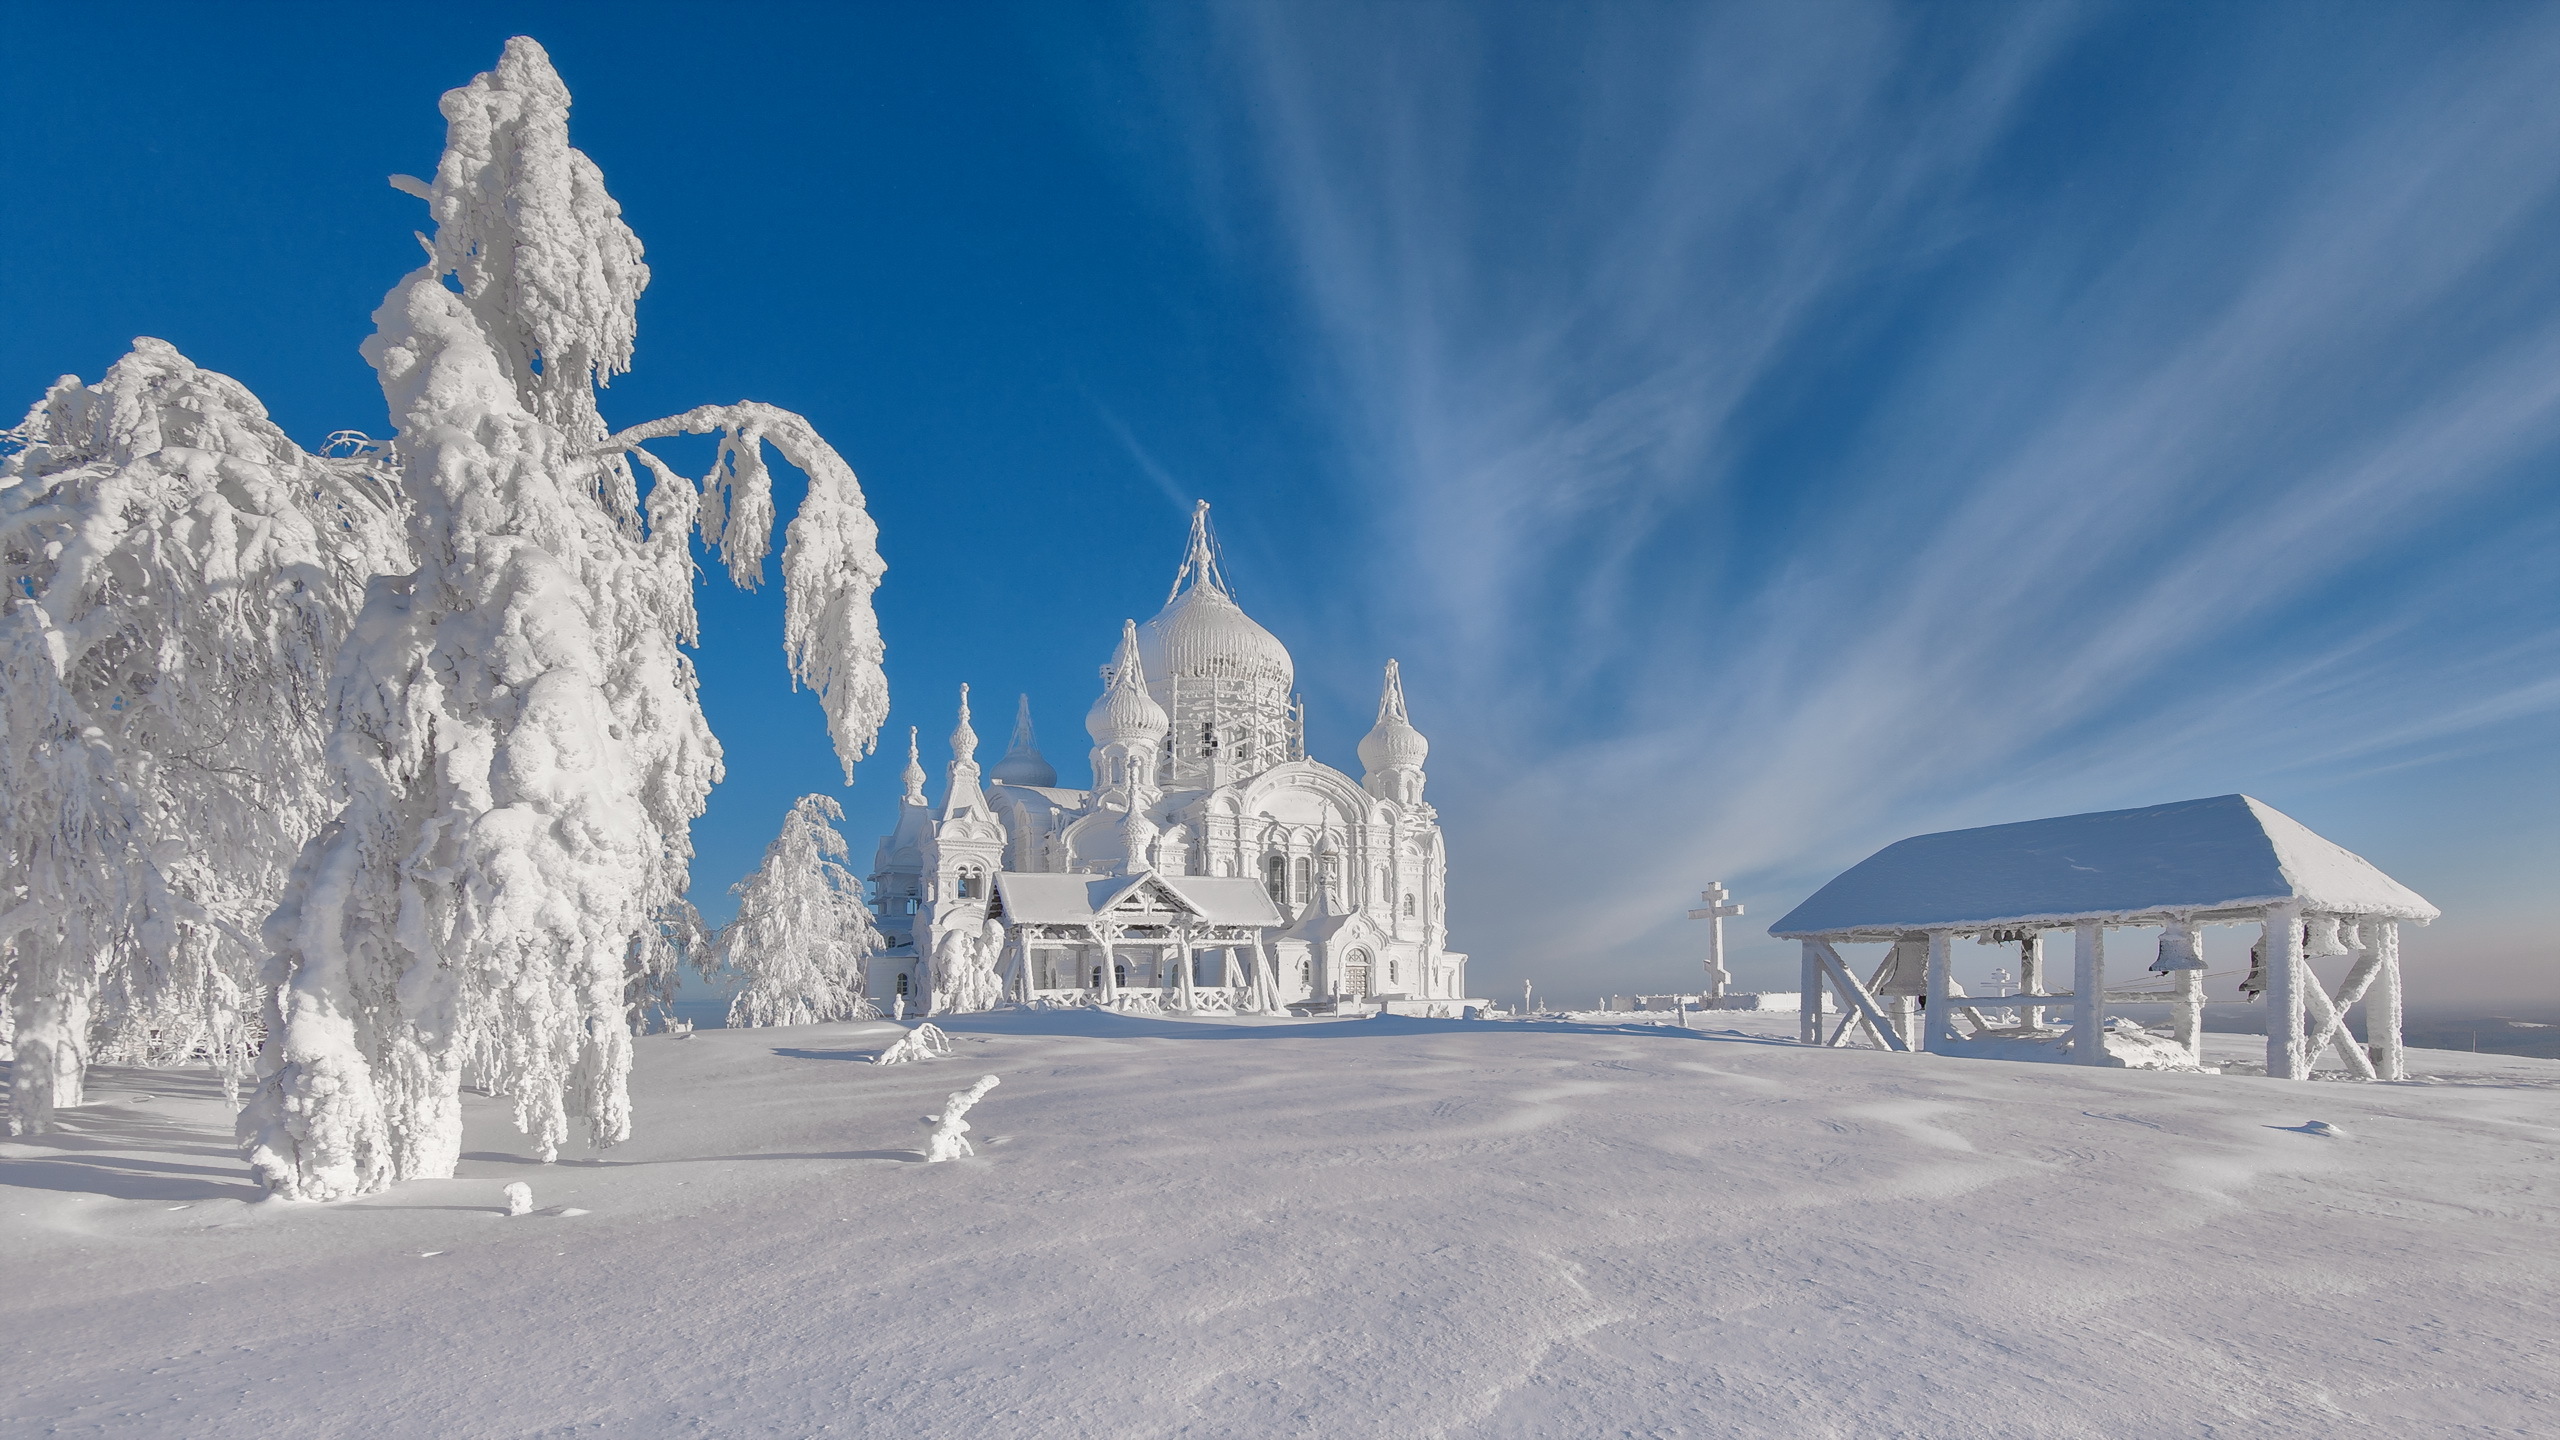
{"x":1393,"y":743}
{"x":1201,"y":634}
{"x":1023,"y":764}
{"x":1126,"y":711}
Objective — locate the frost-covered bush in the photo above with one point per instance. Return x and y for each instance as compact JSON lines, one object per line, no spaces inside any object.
{"x":177,"y":575}
{"x":518,"y":736}
{"x":800,"y":948}
{"x":925,"y":1042}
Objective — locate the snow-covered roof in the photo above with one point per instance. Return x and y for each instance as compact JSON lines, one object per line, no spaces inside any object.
{"x":2229,"y":853}
{"x":1230,"y":901}
{"x":1032,"y":899}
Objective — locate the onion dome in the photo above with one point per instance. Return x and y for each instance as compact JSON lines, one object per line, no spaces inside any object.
{"x":1201,"y":634}
{"x":913,"y":775}
{"x":1023,"y":764}
{"x":1126,"y":711}
{"x":1393,"y":743}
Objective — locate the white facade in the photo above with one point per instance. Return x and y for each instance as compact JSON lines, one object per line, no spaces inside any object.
{"x":1211,"y":866}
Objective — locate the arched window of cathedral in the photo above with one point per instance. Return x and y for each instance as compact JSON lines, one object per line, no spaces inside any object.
{"x":1391,"y":972}
{"x":1306,"y":973}
{"x":1408,"y":903}
{"x":1275,"y":878}
{"x":1303,"y":888}
{"x":973,"y":883}
{"x":1097,"y":977}
{"x":1119,"y":972}
{"x":902,"y":982}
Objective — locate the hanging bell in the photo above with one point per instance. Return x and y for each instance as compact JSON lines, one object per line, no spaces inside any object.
{"x":2320,"y":938}
{"x":2179,"y":948}
{"x":1909,"y":972}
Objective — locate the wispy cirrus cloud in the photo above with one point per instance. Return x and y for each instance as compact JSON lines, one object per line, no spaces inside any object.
{"x":1794,"y":427}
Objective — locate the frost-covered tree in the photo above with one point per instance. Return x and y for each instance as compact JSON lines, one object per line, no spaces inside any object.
{"x":177,"y":573}
{"x":677,"y":939}
{"x":518,"y":732}
{"x":800,"y":948}
{"x":963,"y":976}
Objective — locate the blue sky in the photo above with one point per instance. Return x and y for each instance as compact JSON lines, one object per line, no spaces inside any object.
{"x":1762,"y":432}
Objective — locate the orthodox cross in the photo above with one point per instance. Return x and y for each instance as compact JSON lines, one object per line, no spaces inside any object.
{"x":1714,"y":914}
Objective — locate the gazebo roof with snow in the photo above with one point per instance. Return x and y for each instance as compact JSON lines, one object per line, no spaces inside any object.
{"x":2226,"y":858}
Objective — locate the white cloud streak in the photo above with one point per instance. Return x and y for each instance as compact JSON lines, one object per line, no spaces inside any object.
{"x":1774,"y":473}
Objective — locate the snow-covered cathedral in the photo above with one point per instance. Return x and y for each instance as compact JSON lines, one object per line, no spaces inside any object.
{"x":1213,"y":866}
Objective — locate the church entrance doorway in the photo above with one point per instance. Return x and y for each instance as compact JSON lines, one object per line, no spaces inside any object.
{"x":1355,"y":975}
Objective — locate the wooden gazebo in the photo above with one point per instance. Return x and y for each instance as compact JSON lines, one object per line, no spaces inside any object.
{"x":2229,"y":860}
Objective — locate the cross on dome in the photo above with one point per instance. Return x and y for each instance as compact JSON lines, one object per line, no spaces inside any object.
{"x":1200,"y":560}
{"x":1201,"y":634}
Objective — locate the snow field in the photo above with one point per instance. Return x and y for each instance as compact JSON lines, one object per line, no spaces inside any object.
{"x":1335,"y":1228}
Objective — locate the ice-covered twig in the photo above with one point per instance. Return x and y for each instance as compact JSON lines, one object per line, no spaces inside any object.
{"x":949,"y":1140}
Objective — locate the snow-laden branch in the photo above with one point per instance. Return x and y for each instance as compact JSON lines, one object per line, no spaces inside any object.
{"x":831,"y":561}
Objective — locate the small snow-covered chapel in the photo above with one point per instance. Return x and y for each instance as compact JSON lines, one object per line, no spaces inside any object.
{"x":1212,"y":866}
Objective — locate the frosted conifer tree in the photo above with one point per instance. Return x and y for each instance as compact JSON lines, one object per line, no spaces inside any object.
{"x":518,"y":731}
{"x":177,"y":574}
{"x":800,"y":948}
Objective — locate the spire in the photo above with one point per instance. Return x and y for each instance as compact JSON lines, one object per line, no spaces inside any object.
{"x":964,"y":741}
{"x":1138,"y":836}
{"x":963,"y":793}
{"x":1200,"y":562}
{"x":1023,"y":764}
{"x":914,"y":773}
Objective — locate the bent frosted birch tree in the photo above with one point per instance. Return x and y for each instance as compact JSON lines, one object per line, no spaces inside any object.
{"x":178,"y":573}
{"x":518,"y":729}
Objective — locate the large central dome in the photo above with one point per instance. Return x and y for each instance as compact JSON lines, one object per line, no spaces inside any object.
{"x":1202,"y":634}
